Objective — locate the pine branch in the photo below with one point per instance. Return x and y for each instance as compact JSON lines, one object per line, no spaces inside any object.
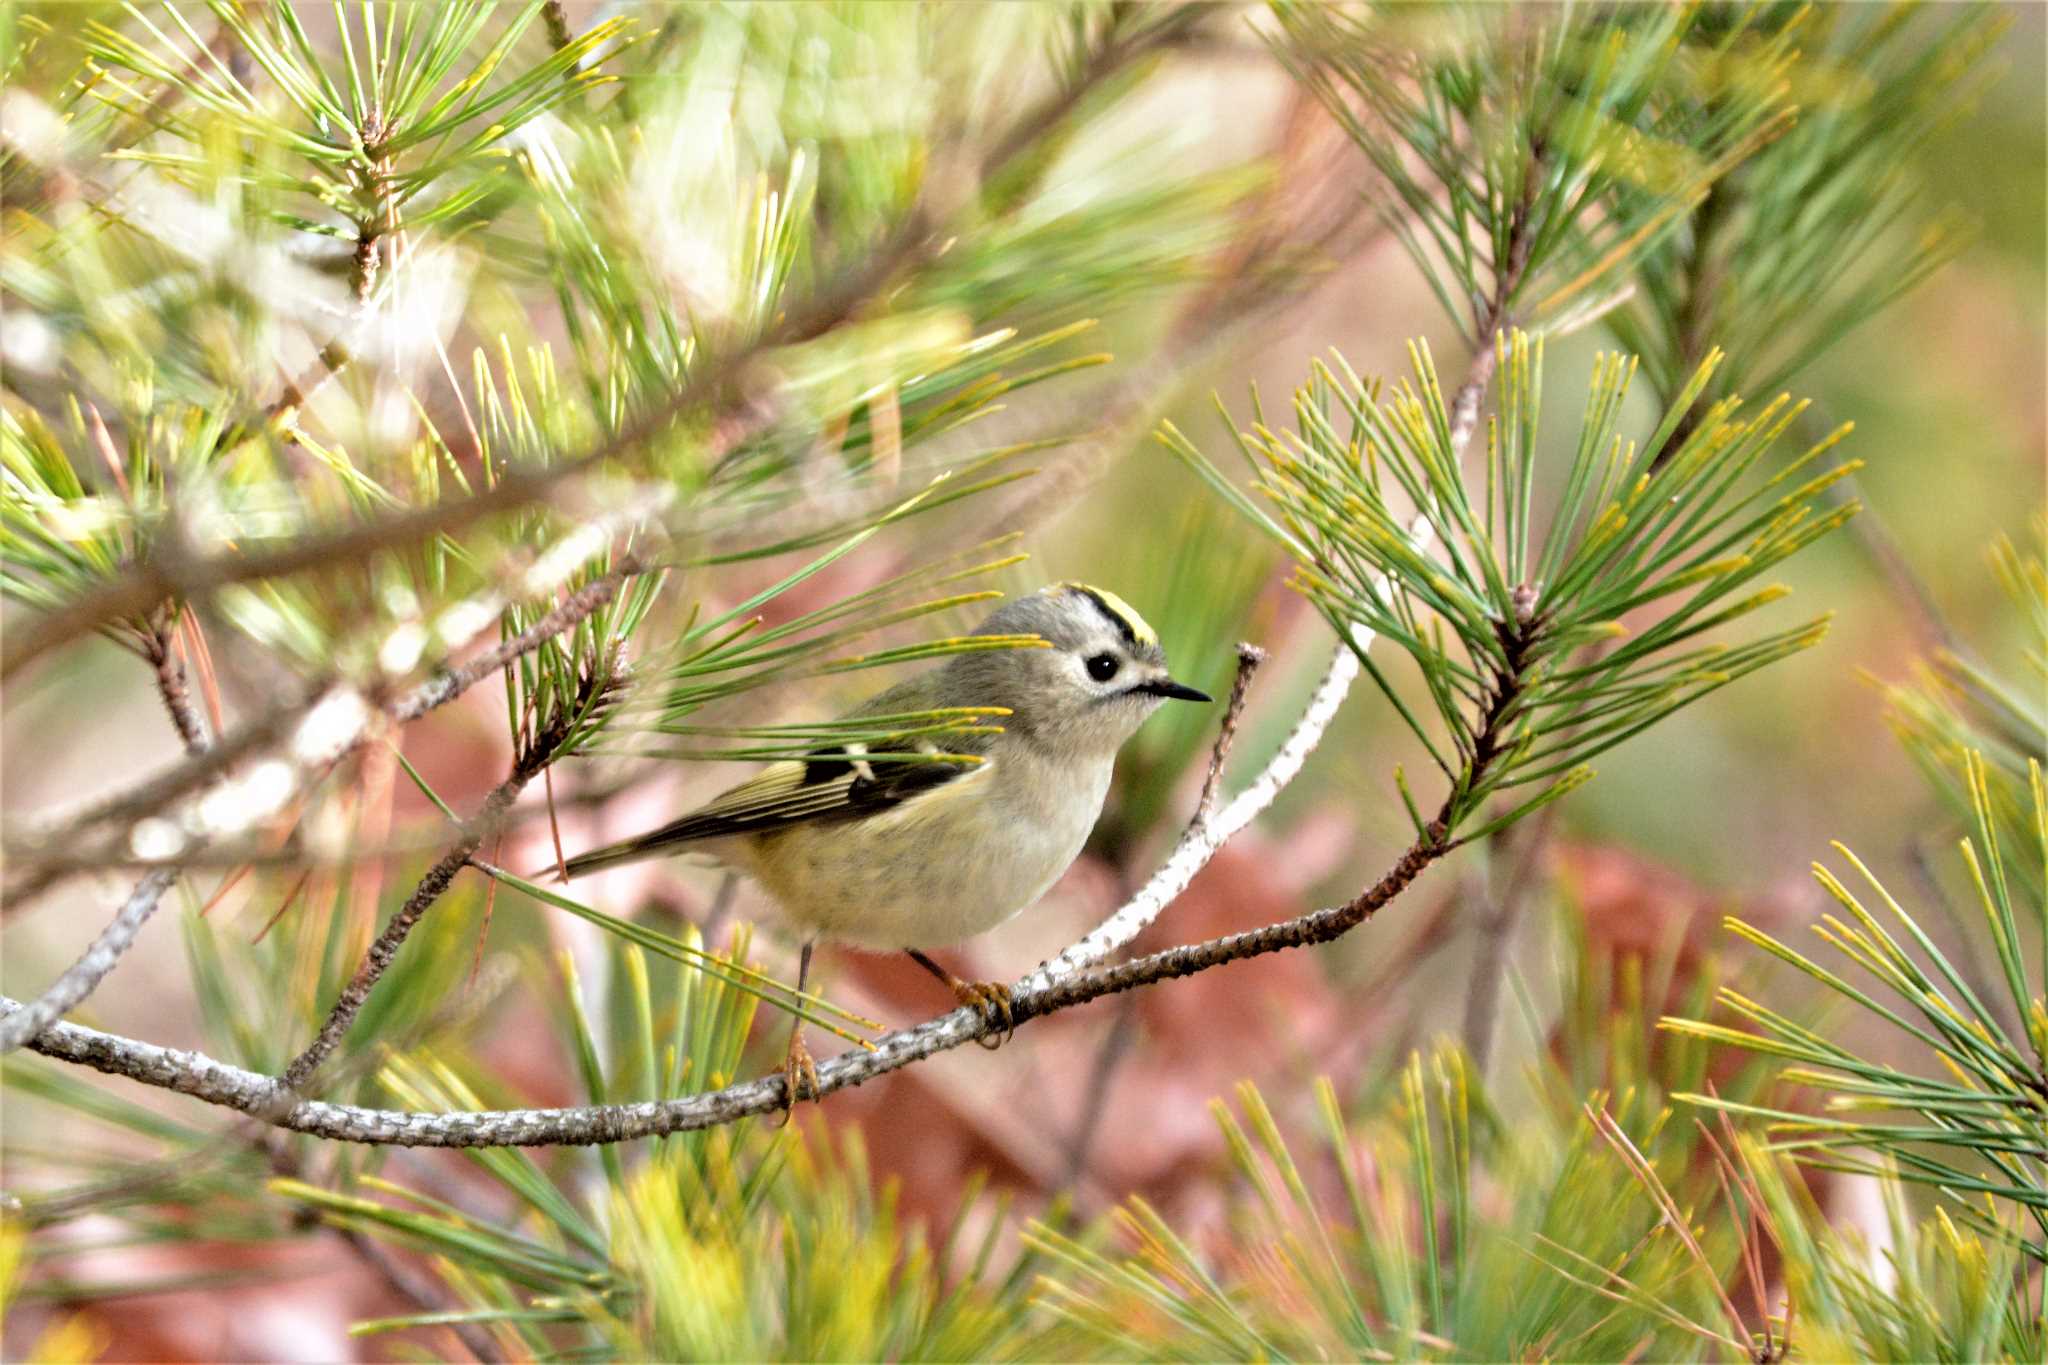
{"x":1249,"y":657}
{"x":171,"y":572}
{"x":1070,"y":979}
{"x":217,"y":1083}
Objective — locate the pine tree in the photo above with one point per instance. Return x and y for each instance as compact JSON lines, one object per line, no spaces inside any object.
{"x":655,"y":367}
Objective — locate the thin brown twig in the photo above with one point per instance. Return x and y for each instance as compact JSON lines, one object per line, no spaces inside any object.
{"x":399,"y":1277}
{"x":172,"y":686}
{"x":1115,"y":1046}
{"x":384,"y":950}
{"x":483,"y":929}
{"x":290,"y":895}
{"x":547,"y":779}
{"x":416,"y":1289}
{"x":537,"y":750}
{"x":1249,"y":657}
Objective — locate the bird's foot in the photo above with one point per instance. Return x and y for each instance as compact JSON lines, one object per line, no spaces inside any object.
{"x":799,"y":1075}
{"x":990,"y":999}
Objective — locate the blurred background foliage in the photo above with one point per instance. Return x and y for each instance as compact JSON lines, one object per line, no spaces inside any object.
{"x":858,"y":304}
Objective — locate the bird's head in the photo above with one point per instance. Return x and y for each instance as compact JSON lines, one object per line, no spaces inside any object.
{"x":1101,"y":672}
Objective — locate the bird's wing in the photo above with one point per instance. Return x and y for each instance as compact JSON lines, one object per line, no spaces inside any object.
{"x":839,"y":783}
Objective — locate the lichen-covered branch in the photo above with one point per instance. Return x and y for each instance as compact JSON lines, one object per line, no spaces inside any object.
{"x":251,"y":1093}
{"x":83,"y":977}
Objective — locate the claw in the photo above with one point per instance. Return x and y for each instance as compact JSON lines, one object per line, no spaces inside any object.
{"x":991,"y":999}
{"x":799,"y":1073}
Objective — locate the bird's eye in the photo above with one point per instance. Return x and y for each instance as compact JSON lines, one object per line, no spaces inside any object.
{"x":1102,"y":667}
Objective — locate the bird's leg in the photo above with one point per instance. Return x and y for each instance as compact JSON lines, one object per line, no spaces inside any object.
{"x":991,"y":999}
{"x":798,"y":1070}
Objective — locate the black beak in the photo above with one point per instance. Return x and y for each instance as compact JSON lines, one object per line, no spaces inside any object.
{"x":1167,"y":687}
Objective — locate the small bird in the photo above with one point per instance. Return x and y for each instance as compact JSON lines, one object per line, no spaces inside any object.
{"x":892,"y":854}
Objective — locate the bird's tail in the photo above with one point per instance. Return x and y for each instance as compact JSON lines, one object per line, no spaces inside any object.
{"x":656,"y":843}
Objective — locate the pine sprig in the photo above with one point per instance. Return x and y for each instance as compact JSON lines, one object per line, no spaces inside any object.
{"x":1533,"y":155}
{"x":415,"y":103}
{"x":1959,"y":708}
{"x":1534,"y":651}
{"x":1970,"y":1123}
{"x":1425,"y":1227}
{"x":1825,"y":226}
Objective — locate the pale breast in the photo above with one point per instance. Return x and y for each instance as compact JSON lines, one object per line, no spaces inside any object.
{"x":943,"y":866}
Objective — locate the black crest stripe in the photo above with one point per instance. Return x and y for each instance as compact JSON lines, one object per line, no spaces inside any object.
{"x":1114,"y":617}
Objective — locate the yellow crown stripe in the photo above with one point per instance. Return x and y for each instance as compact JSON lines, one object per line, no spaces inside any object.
{"x":1120,"y":609}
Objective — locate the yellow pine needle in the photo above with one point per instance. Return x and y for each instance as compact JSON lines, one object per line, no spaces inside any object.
{"x":750,"y":980}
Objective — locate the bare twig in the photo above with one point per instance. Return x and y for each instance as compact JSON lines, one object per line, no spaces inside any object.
{"x":417,"y":1290}
{"x":1311,"y":218}
{"x":1931,"y":630}
{"x":79,"y":980}
{"x":1506,"y":900}
{"x":384,"y":950}
{"x":569,"y":612}
{"x":1199,"y":844}
{"x":1115,"y":1046}
{"x":1249,"y":657}
{"x":82,"y":977}
{"x":399,"y":1277}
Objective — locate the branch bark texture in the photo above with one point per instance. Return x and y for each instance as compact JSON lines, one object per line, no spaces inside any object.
{"x":83,"y":977}
{"x":215,"y":1082}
